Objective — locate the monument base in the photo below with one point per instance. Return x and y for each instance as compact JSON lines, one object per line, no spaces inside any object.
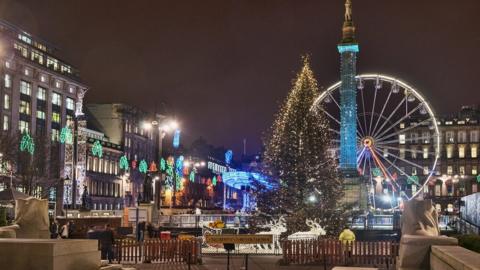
{"x":355,"y":193}
{"x":51,"y":254}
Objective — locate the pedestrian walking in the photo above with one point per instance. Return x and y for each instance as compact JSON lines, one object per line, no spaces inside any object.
{"x":54,"y":229}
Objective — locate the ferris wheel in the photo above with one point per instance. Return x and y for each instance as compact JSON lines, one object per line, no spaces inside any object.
{"x":398,"y":142}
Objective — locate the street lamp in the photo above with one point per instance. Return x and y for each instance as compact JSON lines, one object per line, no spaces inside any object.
{"x":164,"y":127}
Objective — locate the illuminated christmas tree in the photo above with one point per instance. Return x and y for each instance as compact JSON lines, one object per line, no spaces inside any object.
{"x":296,"y":154}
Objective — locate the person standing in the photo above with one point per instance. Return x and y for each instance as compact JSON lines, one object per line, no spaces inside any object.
{"x":140,"y":231}
{"x":347,"y":237}
{"x":54,"y":229}
{"x":106,"y":242}
{"x":64,"y":231}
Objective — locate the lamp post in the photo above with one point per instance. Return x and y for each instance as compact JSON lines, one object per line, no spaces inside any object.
{"x":165,"y":126}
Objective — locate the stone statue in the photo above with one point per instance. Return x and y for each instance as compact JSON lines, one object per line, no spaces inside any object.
{"x":420,"y":218}
{"x":348,"y":10}
{"x":31,"y":220}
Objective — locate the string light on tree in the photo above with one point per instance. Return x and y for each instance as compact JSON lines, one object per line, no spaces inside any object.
{"x":163,"y":164}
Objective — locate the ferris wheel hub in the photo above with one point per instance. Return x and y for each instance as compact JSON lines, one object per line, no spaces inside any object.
{"x":368,"y":141}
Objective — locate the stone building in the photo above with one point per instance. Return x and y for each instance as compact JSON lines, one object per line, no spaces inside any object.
{"x":124,"y":134}
{"x":40,"y":94}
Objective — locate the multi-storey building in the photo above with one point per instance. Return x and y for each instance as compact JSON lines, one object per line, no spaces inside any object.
{"x":456,"y":173}
{"x":39,"y":92}
{"x":124,"y":134}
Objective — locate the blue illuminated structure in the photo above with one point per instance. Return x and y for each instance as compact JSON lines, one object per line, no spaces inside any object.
{"x":228,"y":156}
{"x":239,"y":179}
{"x":176,"y":138}
{"x":348,"y":49}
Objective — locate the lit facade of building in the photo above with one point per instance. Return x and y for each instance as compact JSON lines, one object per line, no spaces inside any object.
{"x":457,"y":171}
{"x":124,"y":134}
{"x":40,"y":94}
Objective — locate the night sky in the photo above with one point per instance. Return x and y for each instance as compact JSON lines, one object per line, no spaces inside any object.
{"x":222,"y":67}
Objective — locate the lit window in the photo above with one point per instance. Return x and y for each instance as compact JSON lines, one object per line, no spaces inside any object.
{"x":26,"y":71}
{"x":7,"y":64}
{"x":462,"y":136}
{"x":40,"y":114}
{"x":43,"y":78}
{"x":8,"y":80}
{"x":6,"y":102}
{"x":55,"y":135}
{"x":449,"y":170}
{"x":425,"y":153}
{"x":461,"y":151}
{"x":402,"y":153}
{"x":52,"y":63}
{"x":473,"y":151}
{"x":414,"y":137}
{"x":474,"y":170}
{"x":23,"y":126}
{"x":70,"y":104}
{"x":42,"y":93}
{"x":474,"y":136}
{"x":401,"y":138}
{"x":24,"y":107}
{"x":56,"y":117}
{"x":449,"y":151}
{"x":414,"y":152}
{"x":6,"y":123}
{"x":425,"y":170}
{"x":449,"y":137}
{"x":25,"y":38}
{"x":461,"y":170}
{"x":58,"y":84}
{"x":65,"y":68}
{"x":414,"y":171}
{"x":37,"y":56}
{"x":56,"y":99}
{"x":71,"y":89}
{"x":25,"y":88}
{"x":426,"y":137}
{"x":69,"y":118}
{"x":22,"y":49}
{"x":402,"y":125}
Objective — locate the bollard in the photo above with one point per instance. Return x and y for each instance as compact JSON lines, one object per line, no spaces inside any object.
{"x":246,"y":261}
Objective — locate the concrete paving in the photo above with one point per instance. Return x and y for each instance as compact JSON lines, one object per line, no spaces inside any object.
{"x":236,"y":263}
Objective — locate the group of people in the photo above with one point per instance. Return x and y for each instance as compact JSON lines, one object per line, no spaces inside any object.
{"x":65,"y":231}
{"x":148,"y":227}
{"x":106,"y":239}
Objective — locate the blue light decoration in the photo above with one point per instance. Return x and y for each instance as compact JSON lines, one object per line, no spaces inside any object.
{"x":179,"y":166}
{"x":192,"y":176}
{"x":348,"y":48}
{"x":237,"y":179}
{"x":348,"y":109}
{"x":143,"y":167}
{"x":228,"y":156}
{"x":176,"y":138}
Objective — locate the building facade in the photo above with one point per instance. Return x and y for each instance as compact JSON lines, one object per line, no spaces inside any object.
{"x":456,"y":173}
{"x":40,"y":94}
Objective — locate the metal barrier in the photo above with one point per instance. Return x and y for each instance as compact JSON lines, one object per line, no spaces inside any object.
{"x":334,"y":252}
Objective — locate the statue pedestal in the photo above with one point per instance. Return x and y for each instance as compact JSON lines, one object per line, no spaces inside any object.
{"x":149,"y":207}
{"x":355,"y":192}
{"x":51,"y":254}
{"x":414,"y":250}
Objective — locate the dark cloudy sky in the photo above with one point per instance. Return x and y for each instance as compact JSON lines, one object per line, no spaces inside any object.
{"x":223,"y":66}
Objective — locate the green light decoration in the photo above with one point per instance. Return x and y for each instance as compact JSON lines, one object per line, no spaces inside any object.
{"x":192,"y":176}
{"x":214,"y":181}
{"x":178,"y":183}
{"x":143,"y":166}
{"x":478,"y":178}
{"x":376,"y":172}
{"x":163,"y":164}
{"x":97,"y":149}
{"x":169,"y":170}
{"x":27,"y":144}
{"x":412,"y":179}
{"x":66,"y":136}
{"x":124,"y":163}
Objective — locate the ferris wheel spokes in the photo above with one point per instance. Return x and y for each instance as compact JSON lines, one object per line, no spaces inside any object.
{"x":396,"y":167}
{"x":373,"y":110}
{"x":405,"y":129}
{"x":383,"y":109}
{"x":390,"y":116}
{"x":400,"y":120}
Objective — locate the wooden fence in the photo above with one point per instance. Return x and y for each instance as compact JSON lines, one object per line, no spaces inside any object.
{"x":156,"y":250}
{"x":333,"y":252}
